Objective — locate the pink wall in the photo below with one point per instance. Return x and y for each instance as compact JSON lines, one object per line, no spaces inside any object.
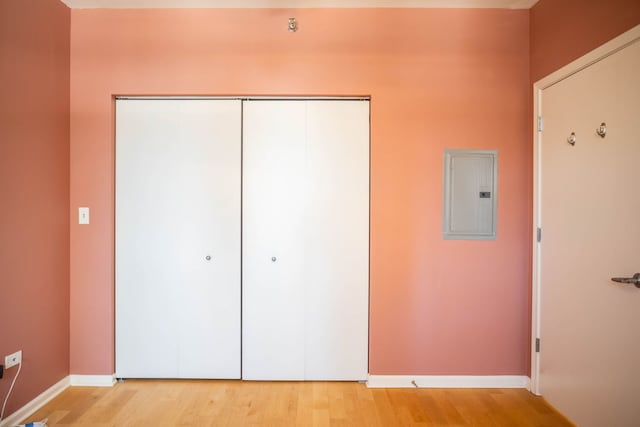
{"x":438,"y":79}
{"x":34,"y":194}
{"x":564,"y":30}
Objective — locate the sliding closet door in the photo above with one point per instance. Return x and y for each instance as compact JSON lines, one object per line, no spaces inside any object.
{"x":305,"y":240}
{"x":273,"y":229}
{"x":337,"y":240}
{"x":178,"y":166}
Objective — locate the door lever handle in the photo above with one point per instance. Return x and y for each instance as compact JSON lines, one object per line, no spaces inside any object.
{"x":635,"y":280}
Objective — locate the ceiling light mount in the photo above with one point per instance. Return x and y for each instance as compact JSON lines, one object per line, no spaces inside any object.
{"x":293,"y":25}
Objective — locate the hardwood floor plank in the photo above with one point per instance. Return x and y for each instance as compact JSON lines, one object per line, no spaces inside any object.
{"x":157,"y":403}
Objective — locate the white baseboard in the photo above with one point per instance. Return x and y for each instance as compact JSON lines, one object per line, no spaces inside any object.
{"x":448,"y":381}
{"x":36,"y":403}
{"x":53,"y":391}
{"x":93,"y":380}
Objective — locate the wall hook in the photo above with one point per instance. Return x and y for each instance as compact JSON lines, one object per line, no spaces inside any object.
{"x":293,"y":25}
{"x":602,"y":130}
{"x":572,"y":138}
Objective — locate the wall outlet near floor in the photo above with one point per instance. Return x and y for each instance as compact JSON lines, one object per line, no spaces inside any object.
{"x":13,"y":359}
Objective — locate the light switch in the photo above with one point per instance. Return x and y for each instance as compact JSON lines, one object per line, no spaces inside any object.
{"x":83,"y":215}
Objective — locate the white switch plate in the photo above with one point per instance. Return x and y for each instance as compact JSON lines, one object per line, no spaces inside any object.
{"x":83,"y":215}
{"x":13,"y":359}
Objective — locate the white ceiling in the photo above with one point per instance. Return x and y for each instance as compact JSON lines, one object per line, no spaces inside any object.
{"x":297,"y":4}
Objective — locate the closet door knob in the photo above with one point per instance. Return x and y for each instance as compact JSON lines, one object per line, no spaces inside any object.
{"x":208,"y":257}
{"x":273,"y":259}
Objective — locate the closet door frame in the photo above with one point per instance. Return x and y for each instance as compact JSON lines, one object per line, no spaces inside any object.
{"x":283,"y":98}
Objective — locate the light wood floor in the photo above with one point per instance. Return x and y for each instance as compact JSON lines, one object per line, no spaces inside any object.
{"x":237,"y":403}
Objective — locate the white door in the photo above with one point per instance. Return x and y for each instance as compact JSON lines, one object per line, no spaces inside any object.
{"x":590,"y":210}
{"x":305,"y":240}
{"x":336,"y":246}
{"x":178,"y":181}
{"x":273,"y":239}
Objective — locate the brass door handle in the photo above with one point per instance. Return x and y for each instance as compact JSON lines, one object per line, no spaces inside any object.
{"x":635,"y":280}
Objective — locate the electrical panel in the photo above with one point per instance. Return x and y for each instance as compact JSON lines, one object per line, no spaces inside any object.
{"x":470,"y":196}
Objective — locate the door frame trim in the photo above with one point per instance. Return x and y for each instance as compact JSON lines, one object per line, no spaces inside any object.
{"x":622,"y":41}
{"x":249,"y":98}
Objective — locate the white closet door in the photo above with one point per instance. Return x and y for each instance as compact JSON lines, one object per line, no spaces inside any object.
{"x":178,"y":166}
{"x":273,"y":240}
{"x":337,"y":241}
{"x":306,"y":204}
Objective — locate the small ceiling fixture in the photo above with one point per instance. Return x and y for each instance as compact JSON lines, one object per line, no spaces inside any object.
{"x":293,"y":25}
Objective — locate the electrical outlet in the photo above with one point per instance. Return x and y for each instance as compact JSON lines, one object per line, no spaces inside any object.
{"x":13,"y":359}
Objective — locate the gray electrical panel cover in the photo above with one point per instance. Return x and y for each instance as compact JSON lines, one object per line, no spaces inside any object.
{"x":470,"y":194}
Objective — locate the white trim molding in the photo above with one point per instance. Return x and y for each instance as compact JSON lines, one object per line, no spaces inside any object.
{"x":448,"y":381}
{"x":36,"y":403}
{"x":93,"y":380}
{"x":607,"y":49}
{"x":53,"y":391}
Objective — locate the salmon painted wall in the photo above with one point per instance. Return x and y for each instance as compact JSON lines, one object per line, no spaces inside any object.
{"x":564,"y":30}
{"x":34,"y":194}
{"x":438,"y":78}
